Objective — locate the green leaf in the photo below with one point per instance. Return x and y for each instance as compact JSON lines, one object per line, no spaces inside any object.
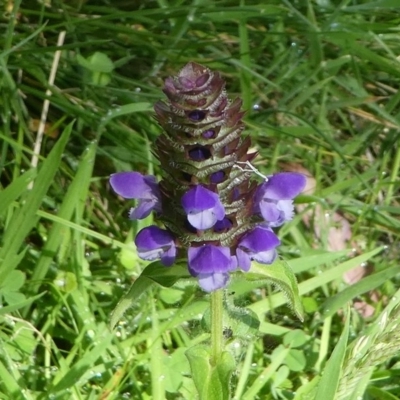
{"x":25,"y":218}
{"x":127,"y":109}
{"x":307,"y":286}
{"x":373,"y":5}
{"x":24,"y":337}
{"x":15,"y":189}
{"x":295,"y":338}
{"x":212,"y":381}
{"x":14,"y":297}
{"x":85,"y":362}
{"x":13,"y":282}
{"x":176,"y":367}
{"x":138,"y":287}
{"x":66,"y":281}
{"x":310,"y":305}
{"x":281,"y":275}
{"x":378,"y":393}
{"x":307,"y":391}
{"x":278,"y":358}
{"x":330,"y":378}
{"x":10,"y":383}
{"x":241,"y":322}
{"x":13,"y":307}
{"x":100,"y":78}
{"x":97,"y":62}
{"x":296,"y":360}
{"x":128,"y":257}
{"x":153,"y":273}
{"x":166,"y":276}
{"x":170,"y":295}
{"x":71,"y":201}
{"x":371,"y":282}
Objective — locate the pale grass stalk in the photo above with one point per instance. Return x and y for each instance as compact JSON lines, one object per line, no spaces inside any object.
{"x":46,"y":104}
{"x":377,"y":346}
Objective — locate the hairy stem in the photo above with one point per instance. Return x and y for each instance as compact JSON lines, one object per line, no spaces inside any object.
{"x":216,"y":325}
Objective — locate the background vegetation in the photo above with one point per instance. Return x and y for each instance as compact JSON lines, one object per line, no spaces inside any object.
{"x":319,"y":80}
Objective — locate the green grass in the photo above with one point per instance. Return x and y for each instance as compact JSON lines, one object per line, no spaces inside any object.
{"x":319,"y":80}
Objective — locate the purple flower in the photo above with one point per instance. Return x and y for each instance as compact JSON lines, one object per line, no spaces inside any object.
{"x":202,"y":207}
{"x":223,"y":226}
{"x":133,"y":185}
{"x":211,"y":265}
{"x":217,"y":177}
{"x":199,"y":153}
{"x":273,"y":199}
{"x":259,"y":245}
{"x":154,"y":243}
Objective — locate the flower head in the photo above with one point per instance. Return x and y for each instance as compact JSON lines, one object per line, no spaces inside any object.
{"x":133,"y":185}
{"x":209,"y":205}
{"x":274,"y":198}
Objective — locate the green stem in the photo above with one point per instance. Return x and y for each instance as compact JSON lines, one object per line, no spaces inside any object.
{"x":216,"y":325}
{"x":157,"y":372}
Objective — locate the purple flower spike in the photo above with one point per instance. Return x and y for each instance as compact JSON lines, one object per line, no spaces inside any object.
{"x":211,"y":264}
{"x":202,"y":207}
{"x":154,"y":243}
{"x":259,"y":245}
{"x":273,"y":199}
{"x":133,"y":185}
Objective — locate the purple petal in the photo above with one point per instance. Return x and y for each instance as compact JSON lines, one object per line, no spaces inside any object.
{"x":222,"y":226}
{"x":276,"y":212}
{"x":201,"y":80}
{"x":133,"y":185}
{"x":198,"y":198}
{"x":233,"y":264}
{"x":259,"y":244}
{"x":244,"y":260}
{"x":186,"y":83}
{"x":209,"y":259}
{"x":199,"y":153}
{"x":208,"y":134}
{"x":203,"y":207}
{"x":202,"y":220}
{"x":197,"y":115}
{"x":168,"y":257}
{"x":217,"y":177}
{"x":211,"y":282}
{"x":265,"y":257}
{"x":144,"y":208}
{"x":286,"y":210}
{"x":273,"y":198}
{"x":269,"y":211}
{"x":259,"y":239}
{"x":282,"y":186}
{"x":153,"y":243}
